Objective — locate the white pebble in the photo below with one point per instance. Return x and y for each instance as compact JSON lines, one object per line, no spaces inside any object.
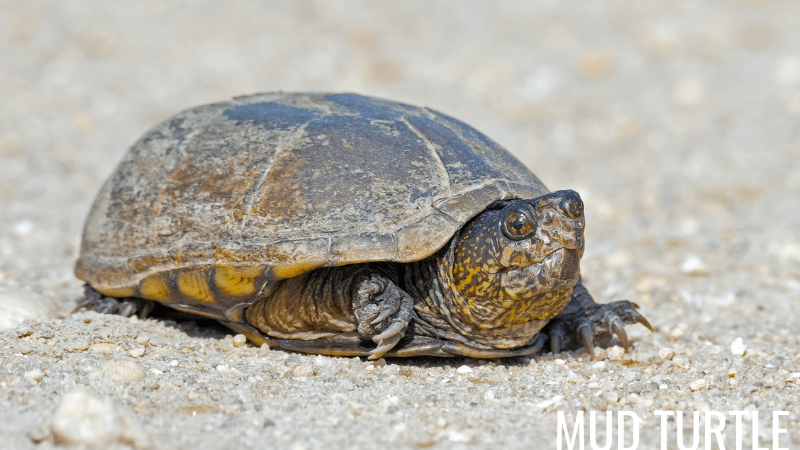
{"x":698,"y":384}
{"x":35,"y":375}
{"x":615,"y":352}
{"x":666,"y":353}
{"x":103,"y":347}
{"x":173,"y":363}
{"x":400,"y":429}
{"x":737,"y":347}
{"x":222,"y":368}
{"x":123,"y":371}
{"x":694,"y":266}
{"x":137,"y":352}
{"x":464,"y":369}
{"x":599,"y":365}
{"x":85,"y":418}
{"x":239,"y":340}
{"x":303,"y":370}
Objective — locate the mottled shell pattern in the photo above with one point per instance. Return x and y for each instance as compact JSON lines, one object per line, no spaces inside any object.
{"x":217,"y":202}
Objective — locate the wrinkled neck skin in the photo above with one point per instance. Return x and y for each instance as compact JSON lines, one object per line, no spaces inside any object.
{"x":500,"y":292}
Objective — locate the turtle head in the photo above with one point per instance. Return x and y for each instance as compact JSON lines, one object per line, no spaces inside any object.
{"x":514,"y":266}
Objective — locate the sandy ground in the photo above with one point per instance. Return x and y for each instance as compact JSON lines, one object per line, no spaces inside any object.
{"x":676,"y":121}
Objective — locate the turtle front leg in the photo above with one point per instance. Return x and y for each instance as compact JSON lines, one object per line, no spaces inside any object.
{"x":583,"y":322}
{"x":383,"y":311}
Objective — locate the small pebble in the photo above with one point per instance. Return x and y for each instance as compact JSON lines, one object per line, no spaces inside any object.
{"x":239,"y":340}
{"x":137,"y":352}
{"x":35,"y":375}
{"x":737,"y":347}
{"x":698,"y":384}
{"x":400,"y":429}
{"x":599,"y":365}
{"x":103,"y":347}
{"x":83,"y":418}
{"x":123,"y":371}
{"x":464,"y":369}
{"x":303,"y":370}
{"x":615,"y":352}
{"x":694,"y":266}
{"x":666,"y":353}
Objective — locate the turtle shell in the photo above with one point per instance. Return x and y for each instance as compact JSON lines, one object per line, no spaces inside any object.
{"x":274,"y":185}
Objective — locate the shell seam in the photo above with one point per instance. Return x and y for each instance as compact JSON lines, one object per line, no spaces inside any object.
{"x":257,"y":186}
{"x":431,"y":147}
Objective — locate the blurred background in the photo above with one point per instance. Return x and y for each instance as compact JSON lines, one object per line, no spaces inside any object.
{"x":677,"y":121}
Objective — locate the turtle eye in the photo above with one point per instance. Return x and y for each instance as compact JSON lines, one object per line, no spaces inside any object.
{"x":517,"y":225}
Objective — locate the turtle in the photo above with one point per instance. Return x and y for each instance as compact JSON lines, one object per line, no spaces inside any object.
{"x":346,"y":225}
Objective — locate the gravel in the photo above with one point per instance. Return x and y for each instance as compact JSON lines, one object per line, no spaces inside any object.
{"x":677,"y":123}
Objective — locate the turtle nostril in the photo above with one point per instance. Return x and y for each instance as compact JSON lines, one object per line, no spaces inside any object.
{"x":572,"y":207}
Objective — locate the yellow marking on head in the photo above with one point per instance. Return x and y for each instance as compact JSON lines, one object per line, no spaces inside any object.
{"x":193,"y":283}
{"x":155,"y":287}
{"x":119,"y":292}
{"x":236,"y":280}
{"x":291,"y":271}
{"x":470,"y":273}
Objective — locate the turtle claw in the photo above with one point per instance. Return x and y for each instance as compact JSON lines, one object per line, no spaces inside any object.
{"x":640,"y":319}
{"x":371,"y":287}
{"x":107,"y":305}
{"x":384,"y":346}
{"x":127,"y":308}
{"x":393,"y":330}
{"x":618,"y":328}
{"x":385,"y":312}
{"x":587,"y":337}
{"x":556,"y":341}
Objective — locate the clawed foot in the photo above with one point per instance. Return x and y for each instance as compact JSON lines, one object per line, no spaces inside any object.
{"x":126,"y":307}
{"x":383,"y":311}
{"x":596,"y":322}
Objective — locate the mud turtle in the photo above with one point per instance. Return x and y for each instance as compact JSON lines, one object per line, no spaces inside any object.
{"x":344,"y":225}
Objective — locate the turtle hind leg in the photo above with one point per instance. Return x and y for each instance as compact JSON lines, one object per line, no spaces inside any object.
{"x":97,"y":302}
{"x":383,"y":311}
{"x":584,"y":322}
